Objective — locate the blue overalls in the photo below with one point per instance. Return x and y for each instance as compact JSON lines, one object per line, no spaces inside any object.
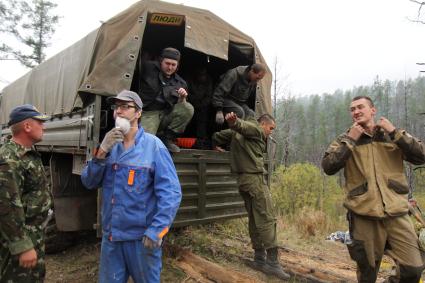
{"x":140,"y":197}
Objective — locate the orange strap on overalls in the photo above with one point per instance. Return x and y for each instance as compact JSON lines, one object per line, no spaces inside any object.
{"x":130,"y":180}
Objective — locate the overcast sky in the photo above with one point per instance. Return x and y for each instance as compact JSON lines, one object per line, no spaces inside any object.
{"x":320,"y":45}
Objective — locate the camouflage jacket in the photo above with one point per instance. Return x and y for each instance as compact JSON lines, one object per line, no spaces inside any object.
{"x":233,"y":85}
{"x":247,"y":146}
{"x":375,"y":183}
{"x":25,"y":197}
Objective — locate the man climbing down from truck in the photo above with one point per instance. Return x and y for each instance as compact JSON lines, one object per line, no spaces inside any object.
{"x":234,"y":90}
{"x":166,"y":112}
{"x":140,"y":195}
{"x":247,"y":147}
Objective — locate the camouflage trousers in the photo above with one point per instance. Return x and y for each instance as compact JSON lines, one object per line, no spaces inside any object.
{"x":11,"y":272}
{"x":261,"y":215}
{"x":394,"y":236}
{"x":160,"y":121}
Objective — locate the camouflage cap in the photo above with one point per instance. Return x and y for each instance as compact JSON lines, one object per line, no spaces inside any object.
{"x":127,"y":95}
{"x":25,"y":111}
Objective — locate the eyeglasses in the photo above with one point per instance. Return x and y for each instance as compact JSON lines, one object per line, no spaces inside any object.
{"x":122,"y":106}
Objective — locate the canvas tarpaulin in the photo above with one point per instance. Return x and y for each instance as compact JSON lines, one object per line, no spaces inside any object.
{"x":52,"y":86}
{"x":104,"y":61}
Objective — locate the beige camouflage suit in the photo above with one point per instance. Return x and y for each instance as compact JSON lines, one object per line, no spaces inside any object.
{"x":376,"y":199}
{"x":24,"y":203}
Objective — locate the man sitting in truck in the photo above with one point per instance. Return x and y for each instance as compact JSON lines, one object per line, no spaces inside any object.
{"x":140,"y":195}
{"x":166,"y":112}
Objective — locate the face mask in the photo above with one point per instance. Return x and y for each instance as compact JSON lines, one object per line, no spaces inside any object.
{"x":123,"y":124}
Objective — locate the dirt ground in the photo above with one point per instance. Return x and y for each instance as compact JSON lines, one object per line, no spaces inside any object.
{"x":208,"y":254}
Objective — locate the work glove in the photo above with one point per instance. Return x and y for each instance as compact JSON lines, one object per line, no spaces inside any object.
{"x":219,"y":117}
{"x":148,"y":243}
{"x":112,"y":137}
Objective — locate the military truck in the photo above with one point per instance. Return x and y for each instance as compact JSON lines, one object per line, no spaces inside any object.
{"x":73,"y":85}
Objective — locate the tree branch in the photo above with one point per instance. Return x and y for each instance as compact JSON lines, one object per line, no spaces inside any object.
{"x":421,"y":4}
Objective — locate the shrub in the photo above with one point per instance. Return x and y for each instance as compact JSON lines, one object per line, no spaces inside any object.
{"x":303,"y":187}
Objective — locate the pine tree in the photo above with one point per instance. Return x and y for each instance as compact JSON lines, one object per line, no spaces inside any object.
{"x":31,"y":24}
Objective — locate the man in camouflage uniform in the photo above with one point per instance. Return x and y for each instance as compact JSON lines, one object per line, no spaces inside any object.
{"x":166,"y":112}
{"x":234,"y":90}
{"x":372,"y":155}
{"x":24,"y":199}
{"x":247,"y":147}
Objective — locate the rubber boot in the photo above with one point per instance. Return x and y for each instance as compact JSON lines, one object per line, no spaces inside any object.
{"x":259,"y":257}
{"x":168,"y":140}
{"x":273,"y":266}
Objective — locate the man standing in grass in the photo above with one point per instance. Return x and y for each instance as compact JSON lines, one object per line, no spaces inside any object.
{"x":247,"y":147}
{"x":372,"y":155}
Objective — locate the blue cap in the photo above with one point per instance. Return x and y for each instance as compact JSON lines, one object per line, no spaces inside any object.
{"x":25,"y":111}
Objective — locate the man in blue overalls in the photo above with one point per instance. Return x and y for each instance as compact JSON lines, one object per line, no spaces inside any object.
{"x":140,"y":195}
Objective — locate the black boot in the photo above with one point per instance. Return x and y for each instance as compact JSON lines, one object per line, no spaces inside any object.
{"x":168,"y":140}
{"x":259,"y":257}
{"x":273,"y":266}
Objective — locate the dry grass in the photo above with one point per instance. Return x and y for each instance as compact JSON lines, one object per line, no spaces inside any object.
{"x":311,"y":223}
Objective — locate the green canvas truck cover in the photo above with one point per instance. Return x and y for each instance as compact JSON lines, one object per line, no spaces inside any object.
{"x":104,"y":61}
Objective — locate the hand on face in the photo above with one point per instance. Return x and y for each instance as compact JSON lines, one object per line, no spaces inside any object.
{"x":385,"y":124}
{"x":111,"y":138}
{"x":356,"y":131}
